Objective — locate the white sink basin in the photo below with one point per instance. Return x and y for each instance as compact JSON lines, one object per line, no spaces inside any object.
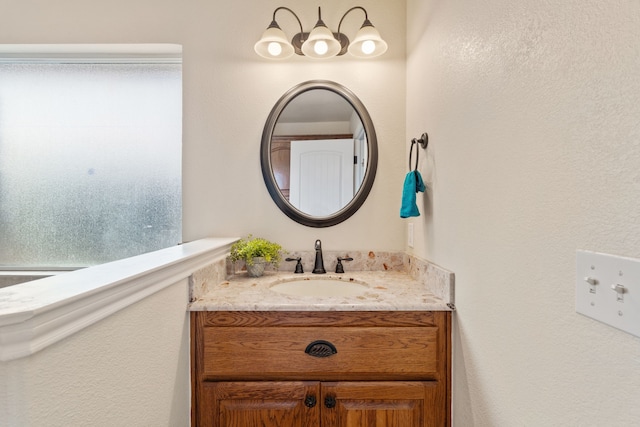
{"x":323,"y":287}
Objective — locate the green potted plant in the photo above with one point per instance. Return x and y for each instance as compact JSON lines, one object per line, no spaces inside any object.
{"x":256,"y":252}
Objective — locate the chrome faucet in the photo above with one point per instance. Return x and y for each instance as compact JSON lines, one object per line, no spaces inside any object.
{"x":319,"y":266}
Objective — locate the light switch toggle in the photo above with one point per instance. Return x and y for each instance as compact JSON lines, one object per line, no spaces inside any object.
{"x":592,"y":284}
{"x":620,"y":290}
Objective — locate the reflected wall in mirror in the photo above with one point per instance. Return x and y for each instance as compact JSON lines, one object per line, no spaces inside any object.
{"x":319,"y":153}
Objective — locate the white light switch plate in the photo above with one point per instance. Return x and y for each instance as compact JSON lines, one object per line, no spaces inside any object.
{"x":608,"y":290}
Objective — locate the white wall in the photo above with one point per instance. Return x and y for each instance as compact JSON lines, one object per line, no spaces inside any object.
{"x":131,"y":369}
{"x":533,"y":114}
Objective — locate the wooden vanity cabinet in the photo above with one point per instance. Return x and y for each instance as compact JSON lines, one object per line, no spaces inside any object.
{"x":361,"y":369}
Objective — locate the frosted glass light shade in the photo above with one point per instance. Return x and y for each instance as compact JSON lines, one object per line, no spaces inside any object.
{"x":274,"y":44}
{"x":321,"y":43}
{"x":367,"y":43}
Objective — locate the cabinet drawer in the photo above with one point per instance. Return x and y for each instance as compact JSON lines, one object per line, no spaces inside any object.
{"x":278,"y":352}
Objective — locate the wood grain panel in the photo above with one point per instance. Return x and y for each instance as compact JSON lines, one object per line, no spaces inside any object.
{"x":279,"y":353}
{"x":363,"y":404}
{"x":321,"y":318}
{"x":265,"y":404}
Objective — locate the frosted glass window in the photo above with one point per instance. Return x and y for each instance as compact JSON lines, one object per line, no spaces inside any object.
{"x":90,"y":162}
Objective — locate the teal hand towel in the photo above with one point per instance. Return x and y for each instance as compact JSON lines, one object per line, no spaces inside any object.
{"x":413,"y":184}
{"x":420,"y":187}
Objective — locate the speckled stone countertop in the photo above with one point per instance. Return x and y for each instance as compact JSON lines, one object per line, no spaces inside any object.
{"x":387,"y":291}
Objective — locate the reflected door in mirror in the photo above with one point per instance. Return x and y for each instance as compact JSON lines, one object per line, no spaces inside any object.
{"x":280,"y":149}
{"x":322,"y":175}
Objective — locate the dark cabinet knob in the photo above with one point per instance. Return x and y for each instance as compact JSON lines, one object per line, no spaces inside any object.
{"x":310,"y":401}
{"x":330,"y":402}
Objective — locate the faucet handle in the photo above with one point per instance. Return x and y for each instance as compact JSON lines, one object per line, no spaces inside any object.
{"x":339,"y":266}
{"x":298,"y":264}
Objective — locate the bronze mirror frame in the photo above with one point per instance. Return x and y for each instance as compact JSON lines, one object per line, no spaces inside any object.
{"x":267,"y":170}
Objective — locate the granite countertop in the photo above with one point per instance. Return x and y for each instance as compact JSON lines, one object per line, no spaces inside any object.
{"x":388,"y":291}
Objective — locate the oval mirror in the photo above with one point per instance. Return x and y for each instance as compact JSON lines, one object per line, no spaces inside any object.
{"x":319,"y":153}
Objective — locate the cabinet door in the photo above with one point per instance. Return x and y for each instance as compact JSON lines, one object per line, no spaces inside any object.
{"x":377,"y":404}
{"x":260,"y":404}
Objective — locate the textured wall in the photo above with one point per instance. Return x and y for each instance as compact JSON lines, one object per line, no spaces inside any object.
{"x":131,"y":369}
{"x":533,"y":111}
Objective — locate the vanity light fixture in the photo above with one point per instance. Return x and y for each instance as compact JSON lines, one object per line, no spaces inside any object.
{"x":321,"y":42}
